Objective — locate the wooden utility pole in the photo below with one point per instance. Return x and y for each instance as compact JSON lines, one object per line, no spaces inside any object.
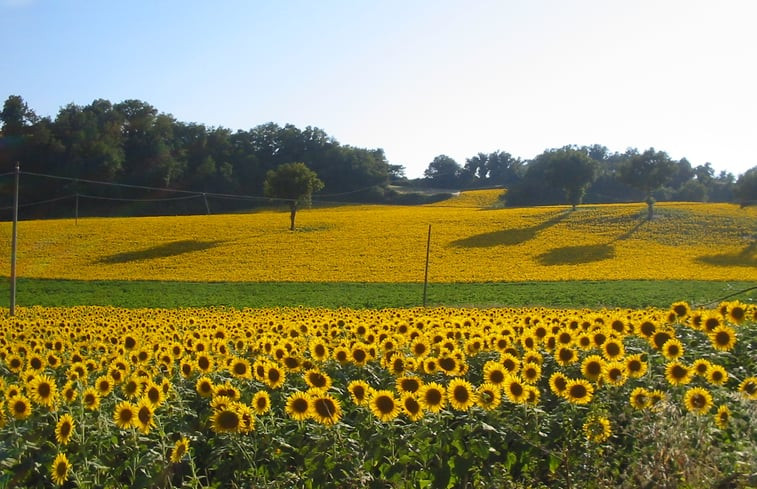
{"x":14,"y":241}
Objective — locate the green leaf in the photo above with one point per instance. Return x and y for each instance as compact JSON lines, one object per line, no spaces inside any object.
{"x":554,"y":463}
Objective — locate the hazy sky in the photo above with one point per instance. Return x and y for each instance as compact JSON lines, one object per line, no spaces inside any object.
{"x":417,"y":78}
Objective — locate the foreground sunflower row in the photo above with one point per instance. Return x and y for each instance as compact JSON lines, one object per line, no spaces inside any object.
{"x":99,"y":397}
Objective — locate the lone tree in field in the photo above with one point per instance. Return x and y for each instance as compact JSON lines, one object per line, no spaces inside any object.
{"x":293,"y":182}
{"x":647,"y":172}
{"x":572,"y":170}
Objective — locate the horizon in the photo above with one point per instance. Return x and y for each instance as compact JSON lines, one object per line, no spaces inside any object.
{"x":416,"y":80}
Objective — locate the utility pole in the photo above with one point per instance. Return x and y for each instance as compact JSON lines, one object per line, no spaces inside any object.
{"x":14,"y":242}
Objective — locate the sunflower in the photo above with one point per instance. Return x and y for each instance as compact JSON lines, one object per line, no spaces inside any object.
{"x":42,"y":390}
{"x":681,"y":309}
{"x":227,"y":390}
{"x":274,"y":377}
{"x":145,"y":419}
{"x":341,"y":354}
{"x":700,"y":366}
{"x":672,"y":349}
{"x":430,"y":365}
{"x":639,"y":398}
{"x":722,"y":417}
{"x":204,"y":362}
{"x":91,"y":399}
{"x":69,"y":392}
{"x":635,"y":365}
{"x":104,"y":385}
{"x":656,"y":396}
{"x":614,"y":373}
{"x":566,"y":356}
{"x":460,"y":394}
{"x":597,"y":429}
{"x":60,"y":468}
{"x":125,"y":415}
{"x":64,"y":429}
{"x":180,"y":448}
{"x":420,"y":347}
{"x":723,"y":338}
{"x":317,"y":379}
{"x":677,"y":373}
{"x":515,"y":390}
{"x":359,"y":391}
{"x":748,"y":388}
{"x":736,"y":312}
{"x":710,"y":321}
{"x":432,"y":397}
{"x":494,"y":373}
{"x":240,"y":368}
{"x":325,"y":409}
{"x":154,"y":393}
{"x":204,"y":386}
{"x":592,"y":367}
{"x":660,"y":337}
{"x":697,"y":400}
{"x":359,"y":354}
{"x":558,"y":383}
{"x":408,"y":384}
{"x":717,"y":375}
{"x":613,"y":349}
{"x":488,"y":396}
{"x":319,"y":350}
{"x":384,"y":405}
{"x":261,"y":402}
{"x":227,"y":420}
{"x":298,"y":406}
{"x":530,"y":373}
{"x":14,"y":363}
{"x":510,"y":362}
{"x":579,"y":391}
{"x":411,"y":407}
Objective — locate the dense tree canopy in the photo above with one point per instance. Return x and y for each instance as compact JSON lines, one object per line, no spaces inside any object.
{"x":132,"y":143}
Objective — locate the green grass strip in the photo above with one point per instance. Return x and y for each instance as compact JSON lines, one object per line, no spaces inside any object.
{"x":569,"y":294}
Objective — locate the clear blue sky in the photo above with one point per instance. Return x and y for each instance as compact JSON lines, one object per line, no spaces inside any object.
{"x":417,"y":78}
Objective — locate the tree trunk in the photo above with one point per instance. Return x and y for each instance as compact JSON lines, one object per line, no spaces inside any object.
{"x":292,"y":212}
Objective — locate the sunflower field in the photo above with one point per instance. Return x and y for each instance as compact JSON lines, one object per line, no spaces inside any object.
{"x":509,"y":397}
{"x":470,"y":243}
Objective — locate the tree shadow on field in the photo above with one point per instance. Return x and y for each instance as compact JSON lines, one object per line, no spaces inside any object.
{"x":576,"y":255}
{"x":161,"y":251}
{"x":508,"y":237}
{"x":744,"y":258}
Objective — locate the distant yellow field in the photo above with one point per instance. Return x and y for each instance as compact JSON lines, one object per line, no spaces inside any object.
{"x":470,"y":242}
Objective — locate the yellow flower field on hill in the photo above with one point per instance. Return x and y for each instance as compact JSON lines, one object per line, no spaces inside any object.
{"x":388,"y":244}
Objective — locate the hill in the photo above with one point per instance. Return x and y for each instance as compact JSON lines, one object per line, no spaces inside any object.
{"x":470,"y":243}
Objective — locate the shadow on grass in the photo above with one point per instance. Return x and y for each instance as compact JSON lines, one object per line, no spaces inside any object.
{"x":744,"y":258}
{"x":508,"y":237}
{"x":161,"y":251}
{"x":576,"y":255}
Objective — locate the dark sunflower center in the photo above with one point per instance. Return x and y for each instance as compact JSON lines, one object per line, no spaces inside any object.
{"x":325,"y":407}
{"x":384,"y":404}
{"x":228,"y":420}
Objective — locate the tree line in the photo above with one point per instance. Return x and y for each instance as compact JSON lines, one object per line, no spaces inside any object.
{"x":132,"y":143}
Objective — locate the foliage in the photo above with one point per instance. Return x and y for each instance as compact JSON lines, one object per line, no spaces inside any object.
{"x":294,"y":183}
{"x":746,"y":187}
{"x":593,"y":294}
{"x":471,"y":397}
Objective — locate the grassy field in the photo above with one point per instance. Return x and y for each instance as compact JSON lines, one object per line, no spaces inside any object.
{"x":593,"y":294}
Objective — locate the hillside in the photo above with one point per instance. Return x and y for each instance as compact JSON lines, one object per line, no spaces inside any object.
{"x":470,"y":242}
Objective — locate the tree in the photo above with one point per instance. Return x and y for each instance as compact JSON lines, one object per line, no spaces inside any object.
{"x":293,"y":182}
{"x":647,"y":172}
{"x":571,"y":170}
{"x":745,"y":189}
{"x":443,"y":171}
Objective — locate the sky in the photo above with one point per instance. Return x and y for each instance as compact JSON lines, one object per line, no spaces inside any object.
{"x":417,"y":78}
